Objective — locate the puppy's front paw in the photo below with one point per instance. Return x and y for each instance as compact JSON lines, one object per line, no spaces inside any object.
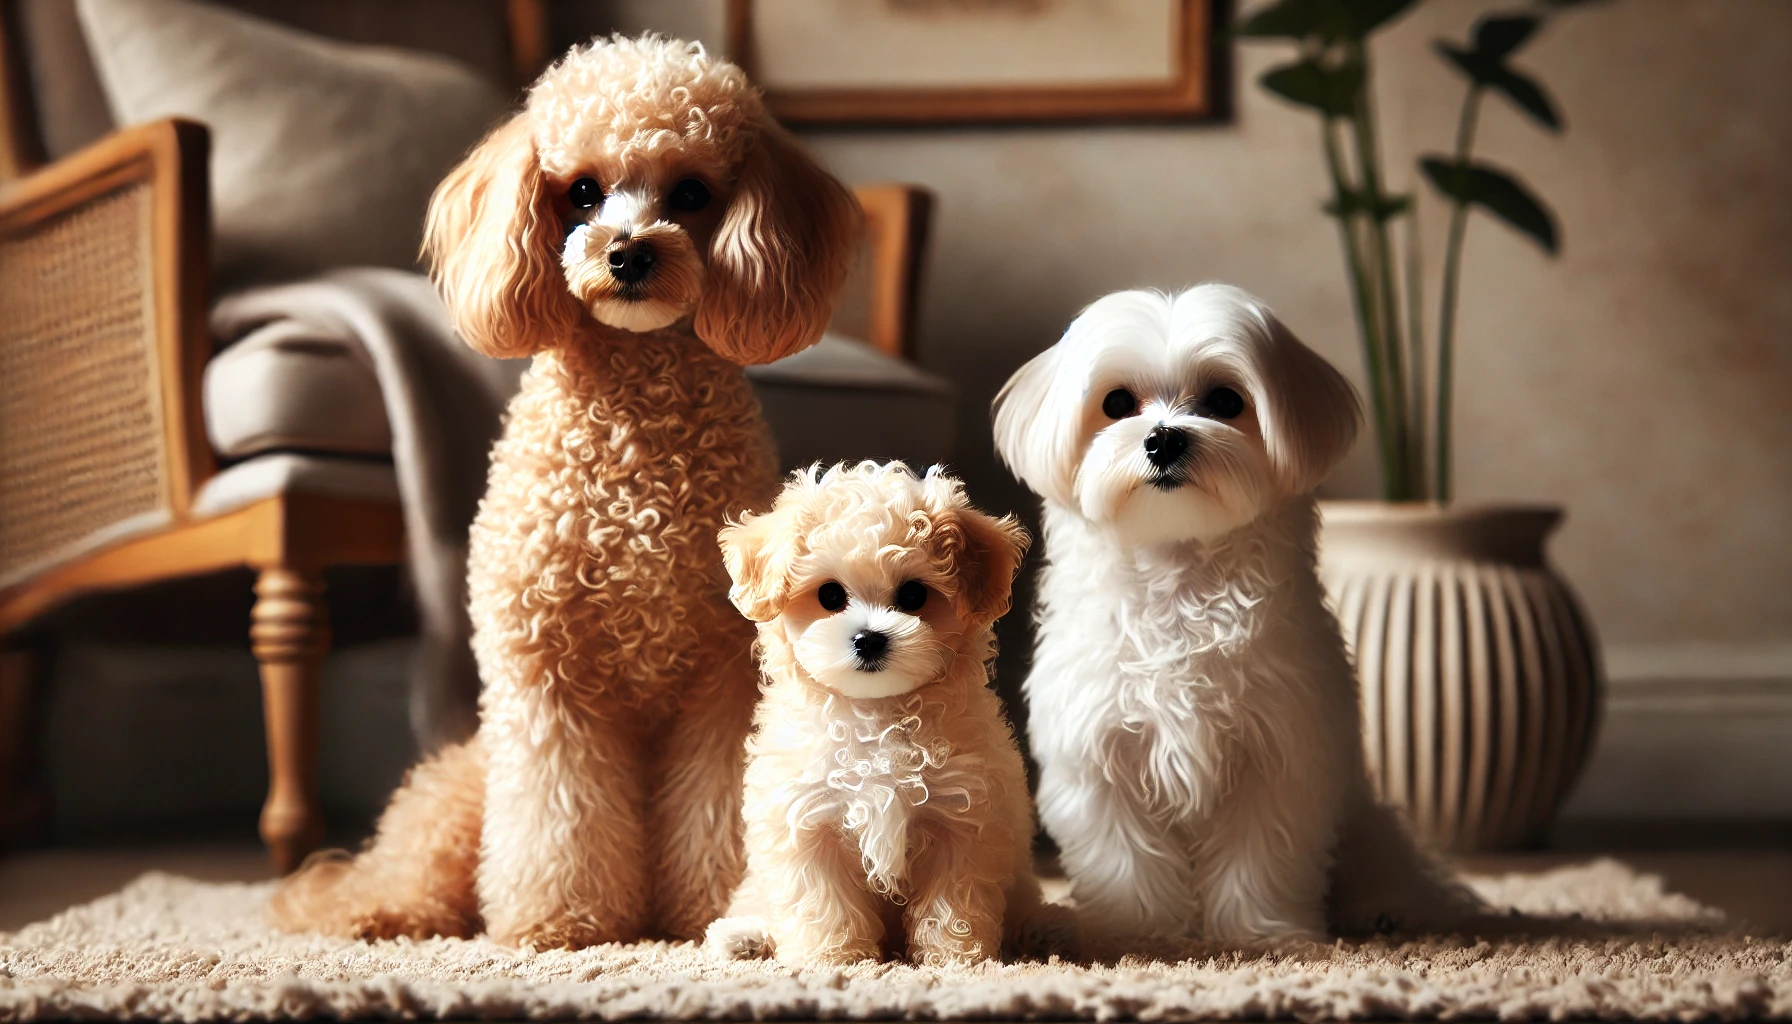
{"x":739,"y":938}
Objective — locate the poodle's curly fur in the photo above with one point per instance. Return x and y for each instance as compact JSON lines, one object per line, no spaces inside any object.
{"x":600,"y":799}
{"x":886,"y":803}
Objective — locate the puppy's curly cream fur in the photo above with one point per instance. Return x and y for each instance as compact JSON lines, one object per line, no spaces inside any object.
{"x":599,"y":800}
{"x":899,"y":822}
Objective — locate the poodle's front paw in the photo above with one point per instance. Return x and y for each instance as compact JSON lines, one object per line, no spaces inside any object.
{"x":558,"y":932}
{"x":739,"y":938}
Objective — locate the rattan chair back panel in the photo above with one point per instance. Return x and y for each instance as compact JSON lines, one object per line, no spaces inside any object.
{"x":83,"y":453}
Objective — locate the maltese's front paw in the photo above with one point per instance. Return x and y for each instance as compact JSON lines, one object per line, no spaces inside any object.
{"x":739,"y":938}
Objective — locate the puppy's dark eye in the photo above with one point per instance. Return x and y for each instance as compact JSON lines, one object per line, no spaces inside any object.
{"x":1119,"y":404}
{"x":911,"y":596}
{"x":832,"y":596}
{"x":585,"y":193}
{"x":689,"y":194}
{"x":1222,"y":403}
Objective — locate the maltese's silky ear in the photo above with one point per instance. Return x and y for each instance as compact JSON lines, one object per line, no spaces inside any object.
{"x":1037,"y":444}
{"x":492,"y":239}
{"x":757,"y":552}
{"x":986,"y":552}
{"x":1308,"y":411}
{"x":779,"y":255}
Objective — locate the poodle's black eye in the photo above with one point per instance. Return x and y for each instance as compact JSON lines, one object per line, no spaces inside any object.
{"x":832,"y":596}
{"x":1119,"y":404}
{"x":585,"y":193}
{"x":1223,"y":403}
{"x":689,"y":194}
{"x":911,"y":596}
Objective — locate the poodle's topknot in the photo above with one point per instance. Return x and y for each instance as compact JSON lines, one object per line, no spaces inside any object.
{"x":627,"y":99}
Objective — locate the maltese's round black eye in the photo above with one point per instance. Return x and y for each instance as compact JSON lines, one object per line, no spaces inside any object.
{"x":832,"y":596}
{"x":1223,"y":403}
{"x":1119,"y":404}
{"x":585,"y":193}
{"x":911,"y":596}
{"x":689,"y":194}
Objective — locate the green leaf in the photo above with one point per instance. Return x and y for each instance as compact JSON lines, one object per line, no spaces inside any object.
{"x":1525,"y":92}
{"x":1356,"y":201}
{"x":1493,"y":190}
{"x":1368,"y":15}
{"x":1527,"y":95}
{"x":1327,"y":20}
{"x":1479,"y":68}
{"x":1330,"y":91}
{"x":1498,"y":37}
{"x":1287,"y":19}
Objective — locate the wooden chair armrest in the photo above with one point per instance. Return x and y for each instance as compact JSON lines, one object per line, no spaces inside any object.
{"x":170,"y":158}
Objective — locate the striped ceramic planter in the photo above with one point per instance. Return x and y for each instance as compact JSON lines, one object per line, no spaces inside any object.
{"x":1480,"y":673}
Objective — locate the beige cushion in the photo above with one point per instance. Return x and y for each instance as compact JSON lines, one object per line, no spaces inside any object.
{"x":267,"y":475}
{"x":282,"y":387}
{"x":323,"y":153}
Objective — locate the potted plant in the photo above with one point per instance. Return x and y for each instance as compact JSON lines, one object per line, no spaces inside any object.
{"x":1480,"y":673}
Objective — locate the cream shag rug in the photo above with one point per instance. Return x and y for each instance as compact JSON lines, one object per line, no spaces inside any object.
{"x":168,"y":947}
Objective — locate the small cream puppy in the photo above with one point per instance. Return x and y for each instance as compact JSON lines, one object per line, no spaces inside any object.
{"x":886,"y":805}
{"x":1192,"y":708}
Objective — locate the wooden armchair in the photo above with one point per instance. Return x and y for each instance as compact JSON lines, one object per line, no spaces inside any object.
{"x":104,"y":281}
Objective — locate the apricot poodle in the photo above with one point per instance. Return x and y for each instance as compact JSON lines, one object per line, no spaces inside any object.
{"x":643,"y":229}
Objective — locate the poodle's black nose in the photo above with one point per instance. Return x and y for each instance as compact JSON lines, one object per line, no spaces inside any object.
{"x":631,"y":262}
{"x":869,"y":646}
{"x":1164,"y":445}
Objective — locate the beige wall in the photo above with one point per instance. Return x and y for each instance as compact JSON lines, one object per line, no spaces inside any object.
{"x":1642,"y":379}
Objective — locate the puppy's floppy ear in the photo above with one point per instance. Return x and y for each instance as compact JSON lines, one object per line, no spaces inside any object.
{"x":757,"y":551}
{"x":779,"y":256}
{"x":1035,"y":442}
{"x":492,"y":239}
{"x":1307,"y":410}
{"x":985,"y":551}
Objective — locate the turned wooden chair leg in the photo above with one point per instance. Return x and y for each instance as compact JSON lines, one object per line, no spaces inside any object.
{"x":290,"y":632}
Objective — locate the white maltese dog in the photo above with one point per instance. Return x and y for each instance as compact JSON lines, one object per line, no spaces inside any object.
{"x":1192,"y":708}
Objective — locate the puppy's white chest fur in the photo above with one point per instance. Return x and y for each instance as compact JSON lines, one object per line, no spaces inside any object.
{"x":874,"y":769}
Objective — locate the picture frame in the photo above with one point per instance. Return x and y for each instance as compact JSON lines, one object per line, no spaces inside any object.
{"x":916,"y":62}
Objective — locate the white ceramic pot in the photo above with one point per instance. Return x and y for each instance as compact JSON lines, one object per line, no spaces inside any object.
{"x":1480,"y":673}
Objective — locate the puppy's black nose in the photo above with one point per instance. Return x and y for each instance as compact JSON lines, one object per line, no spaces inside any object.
{"x":869,"y":646}
{"x":1164,"y":445}
{"x":632,"y":262}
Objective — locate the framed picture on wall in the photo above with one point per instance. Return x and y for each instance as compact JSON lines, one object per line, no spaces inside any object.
{"x":841,"y":62}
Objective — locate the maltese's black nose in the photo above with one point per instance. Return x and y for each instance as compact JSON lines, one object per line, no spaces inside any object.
{"x":1164,"y":445}
{"x":869,"y":646}
{"x":631,"y":263}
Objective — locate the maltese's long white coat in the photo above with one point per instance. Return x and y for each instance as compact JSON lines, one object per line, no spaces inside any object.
{"x":1191,"y":705}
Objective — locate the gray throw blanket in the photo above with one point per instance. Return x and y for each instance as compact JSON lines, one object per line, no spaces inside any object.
{"x":445,"y":404}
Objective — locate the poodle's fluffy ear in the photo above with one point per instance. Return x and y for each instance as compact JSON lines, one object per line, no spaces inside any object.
{"x":757,"y":551}
{"x":986,"y":552}
{"x":779,"y":256}
{"x":492,"y":242}
{"x":1308,"y":411}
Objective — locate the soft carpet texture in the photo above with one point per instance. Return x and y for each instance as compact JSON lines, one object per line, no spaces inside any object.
{"x":168,"y":947}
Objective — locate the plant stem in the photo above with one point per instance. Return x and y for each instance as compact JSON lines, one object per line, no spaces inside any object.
{"x":1368,"y":153}
{"x":1363,"y":302}
{"x":1415,"y":313}
{"x":1446,"y":306}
